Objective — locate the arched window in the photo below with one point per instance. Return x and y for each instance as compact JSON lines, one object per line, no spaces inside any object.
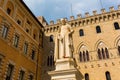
{"x":116,"y":26}
{"x":9,"y":8}
{"x":84,"y":58}
{"x":8,"y":11}
{"x":27,"y":30}
{"x":84,"y":54}
{"x":48,"y":61}
{"x":108,"y":77}
{"x":51,"y":38}
{"x":52,"y":60}
{"x":80,"y":55}
{"x":99,"y":54}
{"x":107,"y":53}
{"x":98,"y":29}
{"x":119,"y":50}
{"x":86,"y":76}
{"x":19,"y":22}
{"x":103,"y":53}
{"x":34,"y":36}
{"x":81,"y":32}
{"x":87,"y":55}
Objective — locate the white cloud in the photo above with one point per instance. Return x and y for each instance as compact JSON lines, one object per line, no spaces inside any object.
{"x":53,"y":9}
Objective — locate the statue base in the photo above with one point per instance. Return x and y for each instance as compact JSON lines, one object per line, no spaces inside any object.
{"x":65,"y":70}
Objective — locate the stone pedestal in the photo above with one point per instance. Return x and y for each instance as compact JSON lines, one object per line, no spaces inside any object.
{"x":65,"y":70}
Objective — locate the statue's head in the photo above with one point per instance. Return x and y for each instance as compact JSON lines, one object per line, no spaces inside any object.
{"x":63,"y":21}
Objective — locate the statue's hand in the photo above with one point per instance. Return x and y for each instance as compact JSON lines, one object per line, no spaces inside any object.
{"x":72,"y":31}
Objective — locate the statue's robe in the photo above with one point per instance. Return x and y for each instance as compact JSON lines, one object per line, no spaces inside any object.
{"x":63,"y":42}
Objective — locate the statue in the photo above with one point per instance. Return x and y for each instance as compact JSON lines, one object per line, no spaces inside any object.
{"x":63,"y":43}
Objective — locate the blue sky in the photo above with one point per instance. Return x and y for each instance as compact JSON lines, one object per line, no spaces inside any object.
{"x":56,"y":9}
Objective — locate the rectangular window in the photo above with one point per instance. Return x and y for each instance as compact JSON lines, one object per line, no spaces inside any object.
{"x":8,"y":11}
{"x":9,"y":72}
{"x":51,"y":38}
{"x":28,"y":22}
{"x":4,"y":32}
{"x":31,"y":77}
{"x":25,"y":48}
{"x":116,"y":26}
{"x":16,"y":41}
{"x":19,"y":22}
{"x":33,"y":55}
{"x":98,"y":29}
{"x":22,"y":73}
{"x":81,"y":32}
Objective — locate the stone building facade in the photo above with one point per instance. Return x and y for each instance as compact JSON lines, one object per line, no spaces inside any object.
{"x":20,"y":42}
{"x":96,"y":41}
{"x":27,"y":48}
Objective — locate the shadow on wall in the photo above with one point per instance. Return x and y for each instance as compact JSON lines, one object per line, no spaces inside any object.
{"x":48,"y":63}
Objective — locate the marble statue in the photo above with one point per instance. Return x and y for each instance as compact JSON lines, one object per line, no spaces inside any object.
{"x":63,"y":43}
